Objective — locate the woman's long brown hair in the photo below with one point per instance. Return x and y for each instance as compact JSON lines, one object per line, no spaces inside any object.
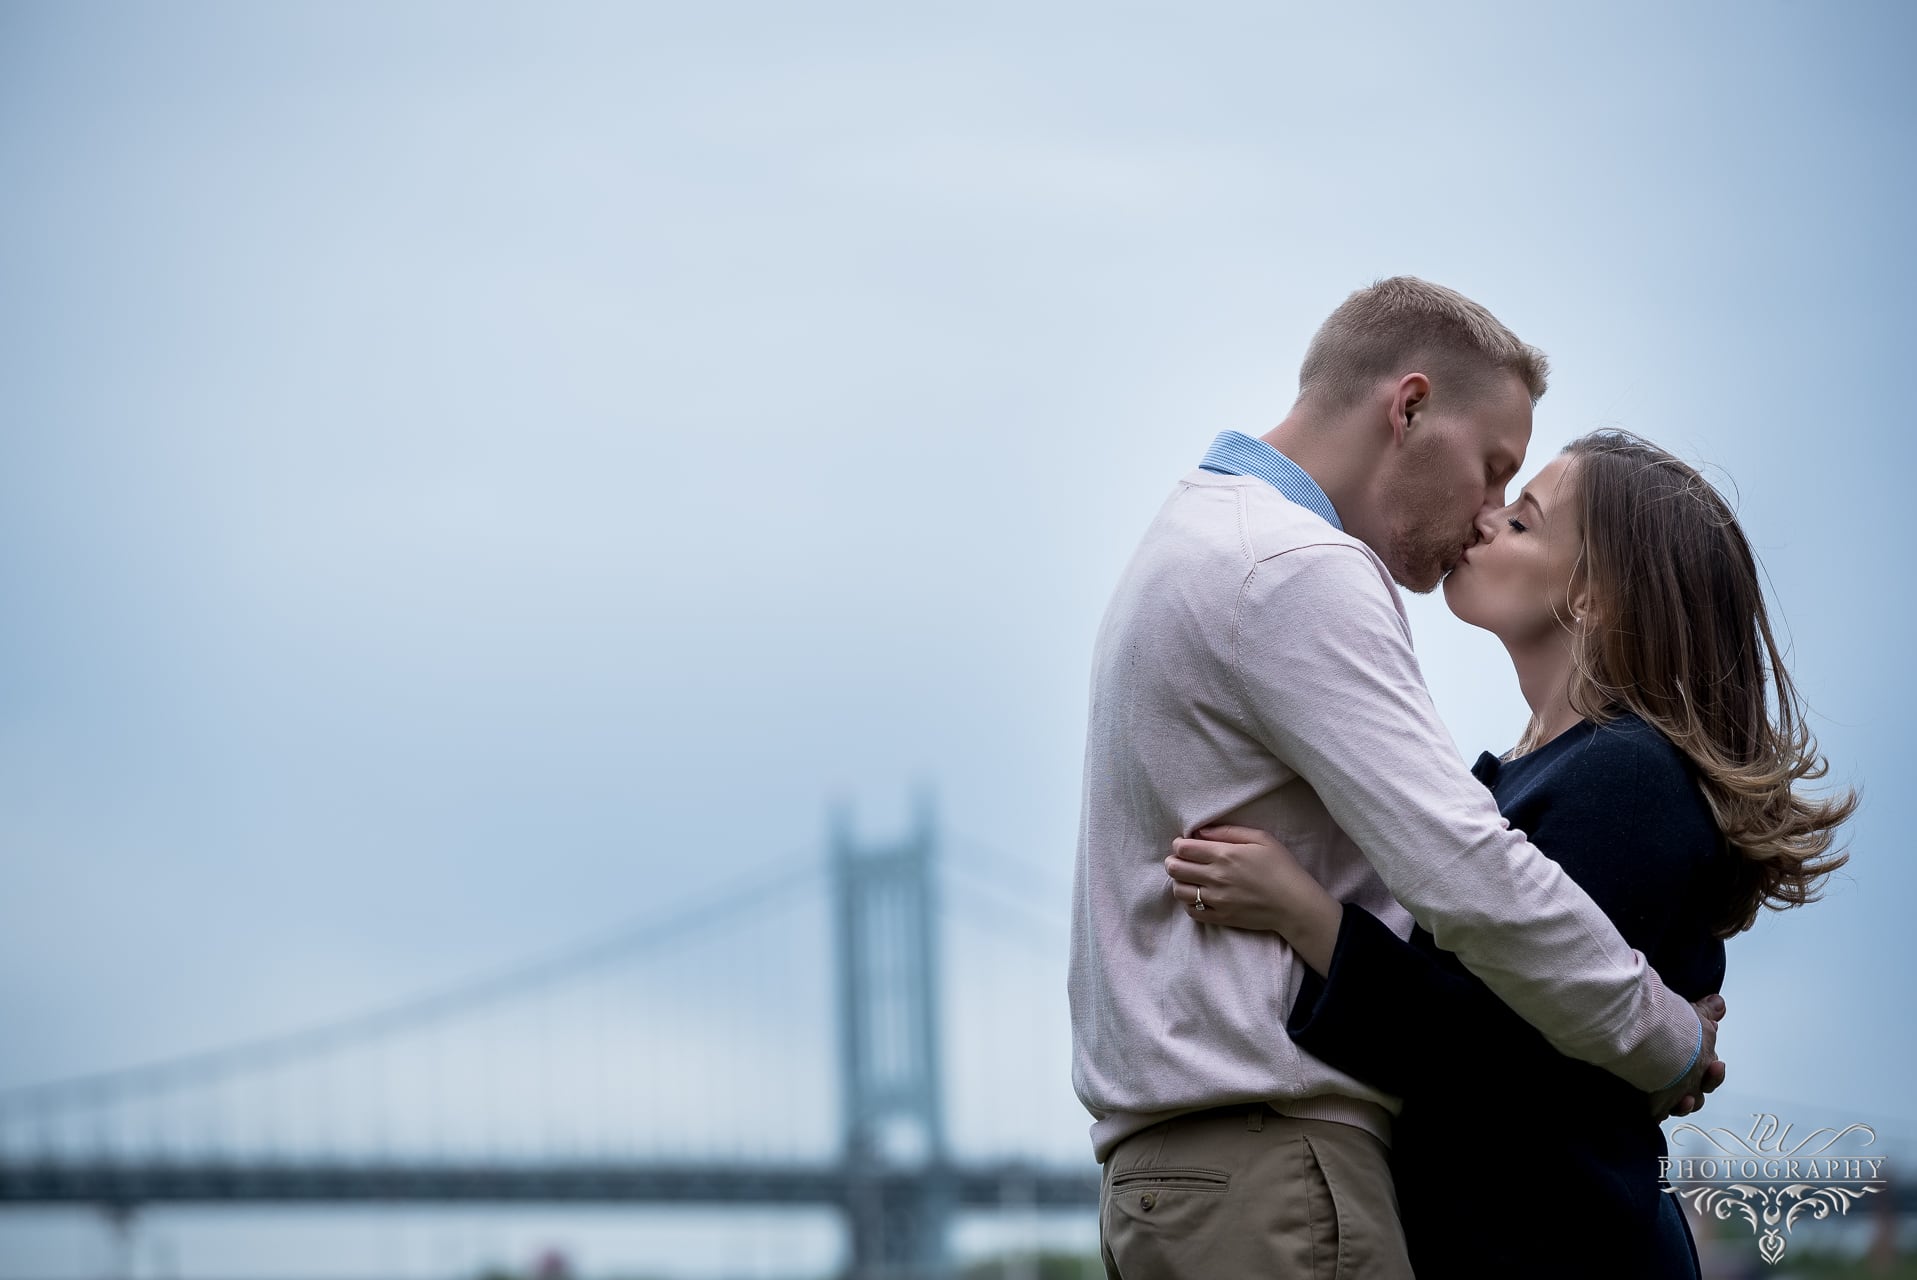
{"x":1679,"y":634}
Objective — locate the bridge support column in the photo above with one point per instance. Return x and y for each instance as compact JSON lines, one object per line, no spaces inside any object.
{"x":899,"y":1203}
{"x":121,"y":1223}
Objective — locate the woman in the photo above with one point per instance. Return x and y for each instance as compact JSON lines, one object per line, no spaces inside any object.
{"x":1661,"y":769}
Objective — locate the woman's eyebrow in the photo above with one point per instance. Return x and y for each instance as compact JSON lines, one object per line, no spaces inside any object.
{"x":1525,"y":496}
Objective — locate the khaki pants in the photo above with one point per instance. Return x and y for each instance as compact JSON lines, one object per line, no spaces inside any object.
{"x":1245,"y":1192}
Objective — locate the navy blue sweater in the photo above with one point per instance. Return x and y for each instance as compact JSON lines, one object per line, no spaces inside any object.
{"x":1509,"y":1158}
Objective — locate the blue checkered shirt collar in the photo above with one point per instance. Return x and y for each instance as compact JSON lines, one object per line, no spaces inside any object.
{"x":1234,"y":453}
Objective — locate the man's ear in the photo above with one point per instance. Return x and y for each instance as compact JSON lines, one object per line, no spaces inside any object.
{"x":1408,"y":400}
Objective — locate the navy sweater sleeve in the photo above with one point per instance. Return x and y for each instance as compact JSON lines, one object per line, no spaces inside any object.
{"x":1618,"y":810}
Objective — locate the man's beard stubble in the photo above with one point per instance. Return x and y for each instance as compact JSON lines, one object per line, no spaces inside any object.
{"x":1419,"y":565}
{"x":1422,"y":549}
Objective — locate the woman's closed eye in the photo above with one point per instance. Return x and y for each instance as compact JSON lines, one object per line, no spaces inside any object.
{"x":1515,"y":523}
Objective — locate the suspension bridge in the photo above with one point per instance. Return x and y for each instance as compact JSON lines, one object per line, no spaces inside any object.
{"x":714,"y":1056}
{"x":876,"y":1034}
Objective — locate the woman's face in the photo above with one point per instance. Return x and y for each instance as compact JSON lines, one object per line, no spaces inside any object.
{"x":1516,"y":582}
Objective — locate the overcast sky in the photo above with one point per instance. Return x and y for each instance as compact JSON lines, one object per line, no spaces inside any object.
{"x":472,"y":476}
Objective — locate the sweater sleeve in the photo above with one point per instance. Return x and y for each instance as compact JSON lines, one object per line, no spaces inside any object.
{"x":1622,"y":817}
{"x":1328,"y":683}
{"x":1387,"y":1013}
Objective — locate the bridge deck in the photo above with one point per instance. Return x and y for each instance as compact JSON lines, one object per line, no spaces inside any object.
{"x":106,"y":1183}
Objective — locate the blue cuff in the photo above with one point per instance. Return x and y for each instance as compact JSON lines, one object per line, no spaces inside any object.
{"x":1695,"y":1055}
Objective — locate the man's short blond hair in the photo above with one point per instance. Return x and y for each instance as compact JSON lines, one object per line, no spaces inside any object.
{"x":1407,"y":325}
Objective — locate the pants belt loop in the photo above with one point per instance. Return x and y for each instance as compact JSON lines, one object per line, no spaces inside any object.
{"x":1255,"y":1119}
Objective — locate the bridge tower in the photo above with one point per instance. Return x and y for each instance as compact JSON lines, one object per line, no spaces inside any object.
{"x":900,"y":1199}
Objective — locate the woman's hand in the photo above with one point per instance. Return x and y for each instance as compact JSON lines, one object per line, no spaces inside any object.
{"x":1247,"y":879}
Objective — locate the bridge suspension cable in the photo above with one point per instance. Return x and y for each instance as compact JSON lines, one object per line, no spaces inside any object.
{"x":763,"y":887}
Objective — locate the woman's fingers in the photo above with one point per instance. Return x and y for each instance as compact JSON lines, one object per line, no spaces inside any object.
{"x":1192,"y":849}
{"x":1221,"y":844}
{"x":1188,"y":872}
{"x":1187,"y":895}
{"x":1228,"y":834}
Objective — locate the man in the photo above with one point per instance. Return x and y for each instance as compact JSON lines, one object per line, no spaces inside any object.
{"x":1254,"y":667}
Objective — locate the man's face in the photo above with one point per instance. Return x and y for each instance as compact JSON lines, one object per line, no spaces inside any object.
{"x":1453,"y":466}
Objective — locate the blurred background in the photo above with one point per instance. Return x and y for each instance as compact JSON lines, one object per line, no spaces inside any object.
{"x":550,"y":556}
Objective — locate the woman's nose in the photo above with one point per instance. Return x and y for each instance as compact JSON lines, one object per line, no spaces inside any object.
{"x":1487,"y":524}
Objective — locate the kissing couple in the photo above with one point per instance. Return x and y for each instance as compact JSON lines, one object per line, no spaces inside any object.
{"x":1320,"y":971}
